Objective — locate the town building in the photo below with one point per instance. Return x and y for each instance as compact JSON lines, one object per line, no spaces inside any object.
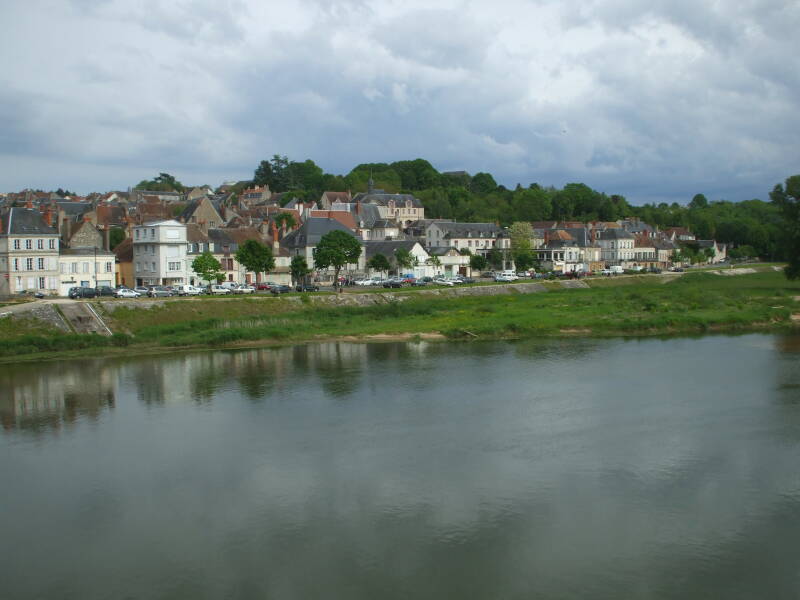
{"x":28,"y":252}
{"x":159,"y":253}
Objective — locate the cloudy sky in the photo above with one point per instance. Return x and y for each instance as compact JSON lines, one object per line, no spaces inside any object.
{"x":653,"y":99}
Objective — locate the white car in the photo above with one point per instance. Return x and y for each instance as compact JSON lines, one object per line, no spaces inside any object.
{"x":126,"y":293}
{"x":443,"y":281}
{"x":244,"y":289}
{"x":218,"y":289}
{"x":188,"y":290}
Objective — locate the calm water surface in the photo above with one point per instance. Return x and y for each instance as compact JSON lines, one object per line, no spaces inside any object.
{"x":559,"y":469}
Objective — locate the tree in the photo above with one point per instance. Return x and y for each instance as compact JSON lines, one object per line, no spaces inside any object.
{"x":787,"y":198}
{"x":465,"y":252}
{"x":336,"y":249}
{"x":521,"y":234}
{"x":207,"y":267}
{"x":115,"y":237}
{"x":379,"y":263}
{"x":495,"y":258}
{"x":299,"y":268}
{"x":163,"y":183}
{"x":435,"y":262}
{"x":255,"y":256}
{"x":524,"y":260}
{"x":404,"y":259}
{"x":273,"y":173}
{"x":285,"y":218}
{"x":699,"y":201}
{"x":478,"y":262}
{"x":483,"y":183}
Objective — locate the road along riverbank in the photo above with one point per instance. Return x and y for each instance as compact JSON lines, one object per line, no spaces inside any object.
{"x":627,"y":306}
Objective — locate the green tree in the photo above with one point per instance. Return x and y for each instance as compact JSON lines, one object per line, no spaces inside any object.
{"x":404,"y":259}
{"x":299,"y":268}
{"x":285,"y":218}
{"x":379,"y":263}
{"x":465,"y":252}
{"x":274,"y":173}
{"x":495,"y":258}
{"x":699,"y":201}
{"x":524,"y":260}
{"x":787,"y":198}
{"x":115,"y":237}
{"x":483,"y":183}
{"x":336,"y":249}
{"x":207,"y":267}
{"x":435,"y":262}
{"x":478,"y":262}
{"x":255,"y":256}
{"x":163,"y":183}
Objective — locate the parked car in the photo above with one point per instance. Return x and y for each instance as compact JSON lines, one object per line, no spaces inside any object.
{"x":372,"y":281}
{"x":82,"y":292}
{"x":104,"y":290}
{"x":443,"y":281}
{"x":218,"y":289}
{"x":243,"y":288}
{"x":394,"y":282}
{"x":141,"y":290}
{"x":504,"y":278}
{"x":126,"y":293}
{"x":466,"y":279}
{"x":158,"y":291}
{"x":265,"y":285}
{"x":188,"y":290}
{"x":280,"y":289}
{"x":306,"y":287}
{"x":420,"y":282}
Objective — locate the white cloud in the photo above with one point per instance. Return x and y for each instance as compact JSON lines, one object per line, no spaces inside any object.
{"x":657,"y":99}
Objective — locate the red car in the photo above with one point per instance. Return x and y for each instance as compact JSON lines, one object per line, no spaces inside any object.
{"x":265,"y":285}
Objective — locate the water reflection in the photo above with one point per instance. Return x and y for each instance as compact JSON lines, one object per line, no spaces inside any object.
{"x":45,"y":398}
{"x":563,"y":469}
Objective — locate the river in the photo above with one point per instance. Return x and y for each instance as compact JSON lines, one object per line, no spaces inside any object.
{"x":547,"y":469}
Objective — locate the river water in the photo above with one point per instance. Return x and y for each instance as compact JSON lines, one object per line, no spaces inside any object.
{"x":550,"y":469}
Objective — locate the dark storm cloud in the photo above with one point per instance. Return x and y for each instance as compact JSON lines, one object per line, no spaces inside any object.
{"x":655,"y":100}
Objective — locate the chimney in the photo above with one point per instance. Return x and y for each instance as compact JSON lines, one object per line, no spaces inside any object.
{"x":275,"y":237}
{"x":107,"y":238}
{"x":66,"y":229}
{"x":28,"y":203}
{"x":48,"y":217}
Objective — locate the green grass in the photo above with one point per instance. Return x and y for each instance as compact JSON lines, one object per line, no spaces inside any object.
{"x":692,"y":303}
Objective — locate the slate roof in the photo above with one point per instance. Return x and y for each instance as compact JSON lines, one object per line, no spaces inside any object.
{"x":310,"y":232}
{"x":387,"y":248}
{"x":343,"y":216}
{"x":25,"y":221}
{"x":615,"y":234}
{"x":466,"y":230}
{"x":74,"y":209}
{"x":581,"y":236}
{"x":87,"y":252}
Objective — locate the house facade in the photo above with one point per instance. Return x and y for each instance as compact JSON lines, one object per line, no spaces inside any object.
{"x":28,"y":253}
{"x":159,"y":253}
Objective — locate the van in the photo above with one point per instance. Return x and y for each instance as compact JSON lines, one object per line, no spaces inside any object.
{"x":616,"y":269}
{"x":219,"y":289}
{"x":187,"y":290}
{"x":509,"y":275}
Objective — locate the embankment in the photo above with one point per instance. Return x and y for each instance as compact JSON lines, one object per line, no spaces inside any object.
{"x":638,"y":305}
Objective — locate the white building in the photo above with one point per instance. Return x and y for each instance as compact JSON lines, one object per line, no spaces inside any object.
{"x":159,"y":253}
{"x":85,"y":267}
{"x":616,"y":246}
{"x":28,"y":253}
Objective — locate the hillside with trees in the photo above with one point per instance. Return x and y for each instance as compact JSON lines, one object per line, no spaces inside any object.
{"x":755,"y":225}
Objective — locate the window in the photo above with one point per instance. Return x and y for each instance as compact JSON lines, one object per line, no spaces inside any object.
{"x":174,"y":266}
{"x":40,"y":244}
{"x":63,"y":268}
{"x":42,"y":283}
{"x":52,"y":244}
{"x":41,"y":263}
{"x":16,"y":264}
{"x":28,"y":244}
{"x":73,"y":268}
{"x":153,"y":233}
{"x":86,"y":267}
{"x":137,"y":234}
{"x":16,"y":245}
{"x":154,"y":267}
{"x":29,"y":264}
{"x":108,"y":267}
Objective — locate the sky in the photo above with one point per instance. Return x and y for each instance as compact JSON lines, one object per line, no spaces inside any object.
{"x":656,"y":100}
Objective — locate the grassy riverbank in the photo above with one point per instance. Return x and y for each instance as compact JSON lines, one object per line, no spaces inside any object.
{"x":693,"y":303}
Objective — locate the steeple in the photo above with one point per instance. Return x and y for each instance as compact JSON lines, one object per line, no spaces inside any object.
{"x":370,"y":183}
